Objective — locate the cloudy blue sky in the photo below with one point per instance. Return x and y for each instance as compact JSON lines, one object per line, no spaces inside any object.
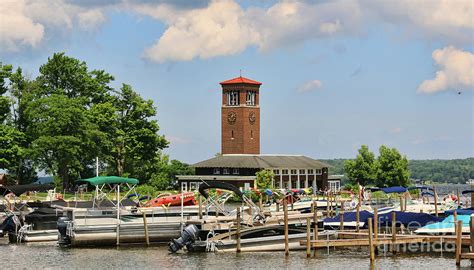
{"x":335,"y":74}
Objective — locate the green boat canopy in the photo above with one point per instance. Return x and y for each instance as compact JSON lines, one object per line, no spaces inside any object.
{"x":100,"y":180}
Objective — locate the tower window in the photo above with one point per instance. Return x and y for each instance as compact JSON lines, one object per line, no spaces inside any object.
{"x":233,"y":98}
{"x":232,"y":135}
{"x":251,"y":134}
{"x":251,"y":98}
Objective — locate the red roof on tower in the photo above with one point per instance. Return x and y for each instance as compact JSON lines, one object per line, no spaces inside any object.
{"x":240,"y":80}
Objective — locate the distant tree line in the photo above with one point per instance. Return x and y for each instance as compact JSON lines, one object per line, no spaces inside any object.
{"x":60,"y":121}
{"x":454,"y":171}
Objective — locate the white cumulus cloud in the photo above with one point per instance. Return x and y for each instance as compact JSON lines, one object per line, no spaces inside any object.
{"x":27,"y":23}
{"x":310,"y":86}
{"x":456,"y":71}
{"x":218,"y":29}
{"x":16,"y":28}
{"x":225,"y":28}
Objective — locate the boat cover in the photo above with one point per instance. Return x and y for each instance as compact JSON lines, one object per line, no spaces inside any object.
{"x":100,"y":180}
{"x":448,"y":223}
{"x":465,"y":211}
{"x":219,"y":185}
{"x":390,"y":189}
{"x":408,"y":219}
{"x":467,"y":191}
{"x":20,"y":189}
{"x":405,"y":218}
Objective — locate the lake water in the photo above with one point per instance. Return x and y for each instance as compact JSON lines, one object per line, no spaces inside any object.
{"x":49,"y":256}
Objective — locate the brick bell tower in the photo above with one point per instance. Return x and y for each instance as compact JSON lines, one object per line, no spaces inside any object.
{"x":240,"y":116}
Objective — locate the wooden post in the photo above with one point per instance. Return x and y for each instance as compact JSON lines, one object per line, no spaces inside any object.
{"x":260,"y":203}
{"x":277,"y":206}
{"x":315,"y":219}
{"x":435,"y":201}
{"x":308,"y":237}
{"x":458,"y":242}
{"x":200,"y":207}
{"x":285,"y":212}
{"x":405,"y":198}
{"x":394,"y":231}
{"x":376,"y":223}
{"x":341,"y":220}
{"x":455,"y":216}
{"x":371,"y":241}
{"x":145,"y":226}
{"x":472,"y":194}
{"x":360,"y":197}
{"x":357,"y":218}
{"x":459,"y":198}
{"x":237,"y":233}
{"x":327,"y":205}
{"x":401,"y":204}
{"x":471,"y":230}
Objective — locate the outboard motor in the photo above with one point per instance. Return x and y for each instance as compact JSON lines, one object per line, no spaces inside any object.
{"x":64,"y":239}
{"x":188,"y":236}
{"x":10,"y":224}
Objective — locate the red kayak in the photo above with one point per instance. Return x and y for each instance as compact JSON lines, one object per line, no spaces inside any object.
{"x":173,"y":200}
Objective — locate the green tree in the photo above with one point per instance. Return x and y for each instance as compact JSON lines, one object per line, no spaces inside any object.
{"x":135,"y":140}
{"x":393,"y":168}
{"x":11,"y":139}
{"x":21,"y":89}
{"x":166,"y":171}
{"x":363,"y":169}
{"x":264,"y":178}
{"x":62,"y":136}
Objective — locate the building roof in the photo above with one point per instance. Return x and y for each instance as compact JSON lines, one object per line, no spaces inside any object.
{"x":240,"y":80}
{"x":261,"y":162}
{"x":216,"y":177}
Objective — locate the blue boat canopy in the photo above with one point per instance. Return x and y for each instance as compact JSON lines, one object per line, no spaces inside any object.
{"x":390,"y":189}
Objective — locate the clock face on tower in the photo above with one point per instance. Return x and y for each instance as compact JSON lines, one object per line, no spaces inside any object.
{"x":231,"y":118}
{"x":252,"y":118}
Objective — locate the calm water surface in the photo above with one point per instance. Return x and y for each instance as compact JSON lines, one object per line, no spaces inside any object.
{"x":49,"y":256}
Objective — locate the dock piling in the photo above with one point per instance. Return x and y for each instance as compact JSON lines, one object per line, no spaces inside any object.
{"x":237,"y":234}
{"x":308,"y":237}
{"x":285,"y":212}
{"x":471,"y":231}
{"x":376,"y":223}
{"x":371,"y":241}
{"x":458,"y":242}
{"x":200,"y":207}
{"x":145,"y":226}
{"x":394,"y":231}
{"x":435,"y":200}
{"x":358,"y":218}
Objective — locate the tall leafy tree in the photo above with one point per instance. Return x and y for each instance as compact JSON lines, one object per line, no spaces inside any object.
{"x":21,"y":88}
{"x":62,"y":136}
{"x":135,"y":139}
{"x":393,"y":168}
{"x":363,"y":169}
{"x":11,"y":139}
{"x":64,"y":139}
